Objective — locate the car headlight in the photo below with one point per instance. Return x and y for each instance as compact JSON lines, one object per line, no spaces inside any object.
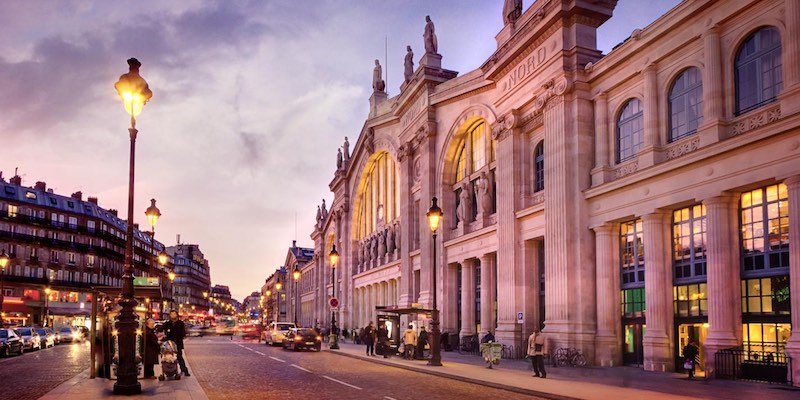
{"x":319,"y":338}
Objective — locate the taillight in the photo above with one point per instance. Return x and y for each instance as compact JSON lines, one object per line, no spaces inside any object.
{"x":319,"y":338}
{"x":298,"y":338}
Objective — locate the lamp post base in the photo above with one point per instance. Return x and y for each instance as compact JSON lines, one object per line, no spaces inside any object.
{"x":436,"y":334}
{"x":333,"y":341}
{"x":128,"y":370}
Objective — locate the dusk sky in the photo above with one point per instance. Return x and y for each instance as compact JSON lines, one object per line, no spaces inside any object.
{"x":251,"y":101}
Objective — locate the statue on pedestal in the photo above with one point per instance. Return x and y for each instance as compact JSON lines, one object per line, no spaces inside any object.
{"x":409,"y":64}
{"x":339,"y":160}
{"x":381,"y":246}
{"x":464,"y":211}
{"x":485,"y":193}
{"x":319,"y":215}
{"x":378,"y":84}
{"x":512,"y":9}
{"x":431,"y":43}
{"x":390,"y":238}
{"x":346,"y":148}
{"x":324,"y":210}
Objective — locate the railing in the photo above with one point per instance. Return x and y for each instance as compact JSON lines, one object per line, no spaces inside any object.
{"x":765,"y":366}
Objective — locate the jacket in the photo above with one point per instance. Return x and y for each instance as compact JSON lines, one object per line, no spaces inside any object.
{"x":151,"y":347}
{"x":175,"y":331}
{"x":410,"y":337}
{"x":537,"y":344}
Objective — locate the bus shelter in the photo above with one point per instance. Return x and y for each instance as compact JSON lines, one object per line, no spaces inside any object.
{"x":390,"y":316}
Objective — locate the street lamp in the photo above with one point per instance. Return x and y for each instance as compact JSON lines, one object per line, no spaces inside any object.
{"x":153,"y":214}
{"x":135,"y":93}
{"x":296,"y":275}
{"x":278,"y":287}
{"x":434,"y":219}
{"x":333,"y":338}
{"x":3,"y":264}
{"x":269,"y":300}
{"x":47,"y":292}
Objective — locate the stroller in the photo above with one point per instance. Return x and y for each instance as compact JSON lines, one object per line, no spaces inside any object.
{"x":169,"y":361}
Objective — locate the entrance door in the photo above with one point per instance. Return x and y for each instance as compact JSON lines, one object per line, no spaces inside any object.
{"x":686,"y":334}
{"x":632,"y":349}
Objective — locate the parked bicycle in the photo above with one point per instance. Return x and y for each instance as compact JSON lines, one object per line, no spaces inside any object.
{"x":568,"y":357}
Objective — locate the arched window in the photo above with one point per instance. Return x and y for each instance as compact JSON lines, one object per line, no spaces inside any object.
{"x":685,"y":104}
{"x":538,"y":167}
{"x":758,"y":76}
{"x":475,"y":153}
{"x":630,"y":127}
{"x":378,"y":195}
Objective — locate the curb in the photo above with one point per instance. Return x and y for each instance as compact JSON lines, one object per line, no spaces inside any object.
{"x":480,"y":382}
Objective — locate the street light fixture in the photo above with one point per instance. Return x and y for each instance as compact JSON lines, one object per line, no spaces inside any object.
{"x":135,"y":93}
{"x":47,"y":292}
{"x":434,"y":219}
{"x":278,"y":287}
{"x":296,"y":275}
{"x":3,"y":264}
{"x":333,"y":338}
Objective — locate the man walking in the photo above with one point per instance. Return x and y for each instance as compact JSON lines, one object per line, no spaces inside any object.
{"x":409,"y":341}
{"x":690,"y":353}
{"x":537,"y":348}
{"x":422,"y":341}
{"x":175,"y":330}
{"x":369,"y":339}
{"x":383,"y":340}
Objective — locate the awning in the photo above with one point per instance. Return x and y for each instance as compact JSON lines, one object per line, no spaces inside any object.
{"x":16,"y":308}
{"x":69,"y":311}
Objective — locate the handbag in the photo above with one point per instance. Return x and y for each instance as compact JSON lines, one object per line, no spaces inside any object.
{"x":688,"y":364}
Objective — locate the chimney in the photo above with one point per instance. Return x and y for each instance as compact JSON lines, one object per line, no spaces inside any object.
{"x":93,"y":200}
{"x":136,"y":226}
{"x":40,"y":186}
{"x":178,"y":238}
{"x":77,"y":195}
{"x":294,"y":243}
{"x":112,"y":211}
{"x":16,"y":180}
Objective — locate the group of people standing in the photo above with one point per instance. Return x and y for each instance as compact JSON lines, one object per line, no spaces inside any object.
{"x":174,"y":330}
{"x":378,"y":339}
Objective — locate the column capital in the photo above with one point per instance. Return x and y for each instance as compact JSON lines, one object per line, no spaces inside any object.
{"x":650,"y":68}
{"x":723,"y":198}
{"x":713,"y":30}
{"x":792,"y":181}
{"x":485,"y":257}
{"x":657,"y":215}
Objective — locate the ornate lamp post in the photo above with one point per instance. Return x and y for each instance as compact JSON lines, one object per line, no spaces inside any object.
{"x":153,"y":214}
{"x":135,"y":93}
{"x":47,"y":292}
{"x":333,"y":338}
{"x":296,"y":275}
{"x":278,"y":287}
{"x":3,"y":264}
{"x":269,"y":304}
{"x":434,"y":219}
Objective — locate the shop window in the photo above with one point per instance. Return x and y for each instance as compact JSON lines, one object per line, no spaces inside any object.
{"x":632,"y":253}
{"x":769,"y":296}
{"x":690,"y":300}
{"x":633,"y":302}
{"x":765,"y":231}
{"x":765,"y":341}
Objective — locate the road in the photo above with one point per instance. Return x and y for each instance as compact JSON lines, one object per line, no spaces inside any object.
{"x":249,"y":370}
{"x":35,"y":373}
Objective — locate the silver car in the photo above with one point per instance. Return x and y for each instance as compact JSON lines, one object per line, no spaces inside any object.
{"x":30,"y":338}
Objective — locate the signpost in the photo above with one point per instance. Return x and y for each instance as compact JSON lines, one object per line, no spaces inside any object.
{"x":334,"y":303}
{"x":519,"y":317}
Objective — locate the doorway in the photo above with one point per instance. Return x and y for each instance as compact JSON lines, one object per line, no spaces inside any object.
{"x":632,"y":348}
{"x":688,"y":332}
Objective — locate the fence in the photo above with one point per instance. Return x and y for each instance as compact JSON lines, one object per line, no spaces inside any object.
{"x":765,"y":366}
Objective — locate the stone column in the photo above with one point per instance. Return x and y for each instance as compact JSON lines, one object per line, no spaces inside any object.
{"x":488,"y":286}
{"x":657,"y":341}
{"x":607,"y":341}
{"x":793,"y":347}
{"x":530,"y":281}
{"x":652,"y":140}
{"x":428,"y":189}
{"x":723,"y":279}
{"x":602,"y":140}
{"x":467,"y":297}
{"x":449,"y":313}
{"x":710,"y":131}
{"x":791,"y":47}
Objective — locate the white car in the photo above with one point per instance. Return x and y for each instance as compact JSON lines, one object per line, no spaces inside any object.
{"x":275,"y":332}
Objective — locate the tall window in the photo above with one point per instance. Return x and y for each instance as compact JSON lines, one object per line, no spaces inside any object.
{"x":690,"y":300}
{"x":766,"y":296}
{"x":685,"y":104}
{"x":630,"y":128}
{"x":765,"y":231}
{"x":758,"y":75}
{"x":689,"y":243}
{"x":476,"y":154}
{"x":632,"y":254}
{"x":378,"y":195}
{"x":538,"y":164}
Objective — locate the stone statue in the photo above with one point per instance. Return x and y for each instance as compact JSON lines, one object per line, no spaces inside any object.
{"x":365,"y":251}
{"x":346,"y":148}
{"x":324,"y":210}
{"x":319,"y":215}
{"x":464,"y":211}
{"x":409,"y":64}
{"x":390,"y":238}
{"x":339,"y":160}
{"x":397,"y":233}
{"x":512,"y":9}
{"x":485,"y":193}
{"x":378,"y":84}
{"x":381,"y":245}
{"x":374,"y":244}
{"x":431,"y":44}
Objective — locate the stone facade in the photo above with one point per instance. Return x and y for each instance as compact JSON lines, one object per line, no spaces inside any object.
{"x":565,"y":174}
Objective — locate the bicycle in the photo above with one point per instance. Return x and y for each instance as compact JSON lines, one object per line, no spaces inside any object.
{"x":568,"y":357}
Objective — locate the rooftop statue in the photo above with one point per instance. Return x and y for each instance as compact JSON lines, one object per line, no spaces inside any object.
{"x":512,"y":9}
{"x":431,"y":44}
{"x":378,"y":84}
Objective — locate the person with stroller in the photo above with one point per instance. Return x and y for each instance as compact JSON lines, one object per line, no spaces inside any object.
{"x":175,"y":331}
{"x":150,"y":349}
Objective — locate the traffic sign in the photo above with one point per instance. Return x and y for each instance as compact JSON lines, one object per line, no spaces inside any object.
{"x":333,"y":302}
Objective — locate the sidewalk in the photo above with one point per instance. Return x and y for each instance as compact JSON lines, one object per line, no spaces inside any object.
{"x":622,"y":383}
{"x":82,"y":387}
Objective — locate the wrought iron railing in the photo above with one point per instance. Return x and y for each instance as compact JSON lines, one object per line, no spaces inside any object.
{"x":765,"y":366}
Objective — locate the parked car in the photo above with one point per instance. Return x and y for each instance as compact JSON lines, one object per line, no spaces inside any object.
{"x":250,"y":331}
{"x":57,"y":335}
{"x":199,"y":330}
{"x":69,"y":335}
{"x":10,"y":342}
{"x":48,"y":339}
{"x":84,"y":331}
{"x":276,"y":332}
{"x":302,"y":338}
{"x":30,"y":338}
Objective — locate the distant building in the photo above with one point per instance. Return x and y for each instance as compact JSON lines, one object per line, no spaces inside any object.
{"x":251,"y":306}
{"x":221,"y":300}
{"x":192,"y":278}
{"x":274,"y":292}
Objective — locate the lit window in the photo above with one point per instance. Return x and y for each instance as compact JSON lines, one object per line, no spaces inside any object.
{"x":30,"y":195}
{"x":766,"y":296}
{"x":758,"y":75}
{"x":765,"y":341}
{"x":685,"y":104}
{"x":632,"y":253}
{"x":633,"y":302}
{"x":12,"y":210}
{"x":691,"y":300}
{"x":689,"y":242}
{"x":538,"y":164}
{"x":379,"y":194}
{"x":765,"y":230}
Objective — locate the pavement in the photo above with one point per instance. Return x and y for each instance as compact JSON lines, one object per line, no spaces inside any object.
{"x":591,"y":383}
{"x":31,"y":375}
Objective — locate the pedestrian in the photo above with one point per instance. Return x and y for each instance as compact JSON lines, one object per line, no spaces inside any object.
{"x":690,"y":353}
{"x":369,"y":338}
{"x":409,"y":341}
{"x":422,"y":341}
{"x":488,"y":338}
{"x":150,"y":350}
{"x":383,"y":340}
{"x":175,"y":331}
{"x":537,"y":348}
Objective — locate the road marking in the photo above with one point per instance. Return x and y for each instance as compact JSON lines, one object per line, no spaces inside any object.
{"x":389,"y":398}
{"x":340,"y":382}
{"x":277,"y":359}
{"x":258,"y":352}
{"x":300,"y":368}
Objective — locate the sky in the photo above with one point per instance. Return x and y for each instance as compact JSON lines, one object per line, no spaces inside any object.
{"x":251,"y":101}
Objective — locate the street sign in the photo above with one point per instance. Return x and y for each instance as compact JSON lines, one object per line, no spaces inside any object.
{"x":333,"y":302}
{"x":519,"y":317}
{"x":145,"y":281}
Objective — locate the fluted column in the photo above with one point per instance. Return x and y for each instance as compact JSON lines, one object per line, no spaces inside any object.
{"x":488,"y":291}
{"x":652,"y":135}
{"x":407,"y":216}
{"x":607,"y":340}
{"x":602,"y":140}
{"x":467,"y":297}
{"x":658,"y":293}
{"x":712,"y":75}
{"x":723,"y":275}
{"x":793,"y":346}
{"x":791,"y":47}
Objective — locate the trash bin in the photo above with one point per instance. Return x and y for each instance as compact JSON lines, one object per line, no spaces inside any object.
{"x":492,"y":352}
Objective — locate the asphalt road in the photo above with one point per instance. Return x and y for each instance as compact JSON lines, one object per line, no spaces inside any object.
{"x":249,"y":370}
{"x":35,"y":373}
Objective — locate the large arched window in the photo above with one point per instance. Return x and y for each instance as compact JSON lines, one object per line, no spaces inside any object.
{"x":758,"y":76}
{"x":378,"y":195}
{"x":538,"y":167}
{"x":476,"y":154}
{"x":685,"y":104}
{"x":630,"y":128}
